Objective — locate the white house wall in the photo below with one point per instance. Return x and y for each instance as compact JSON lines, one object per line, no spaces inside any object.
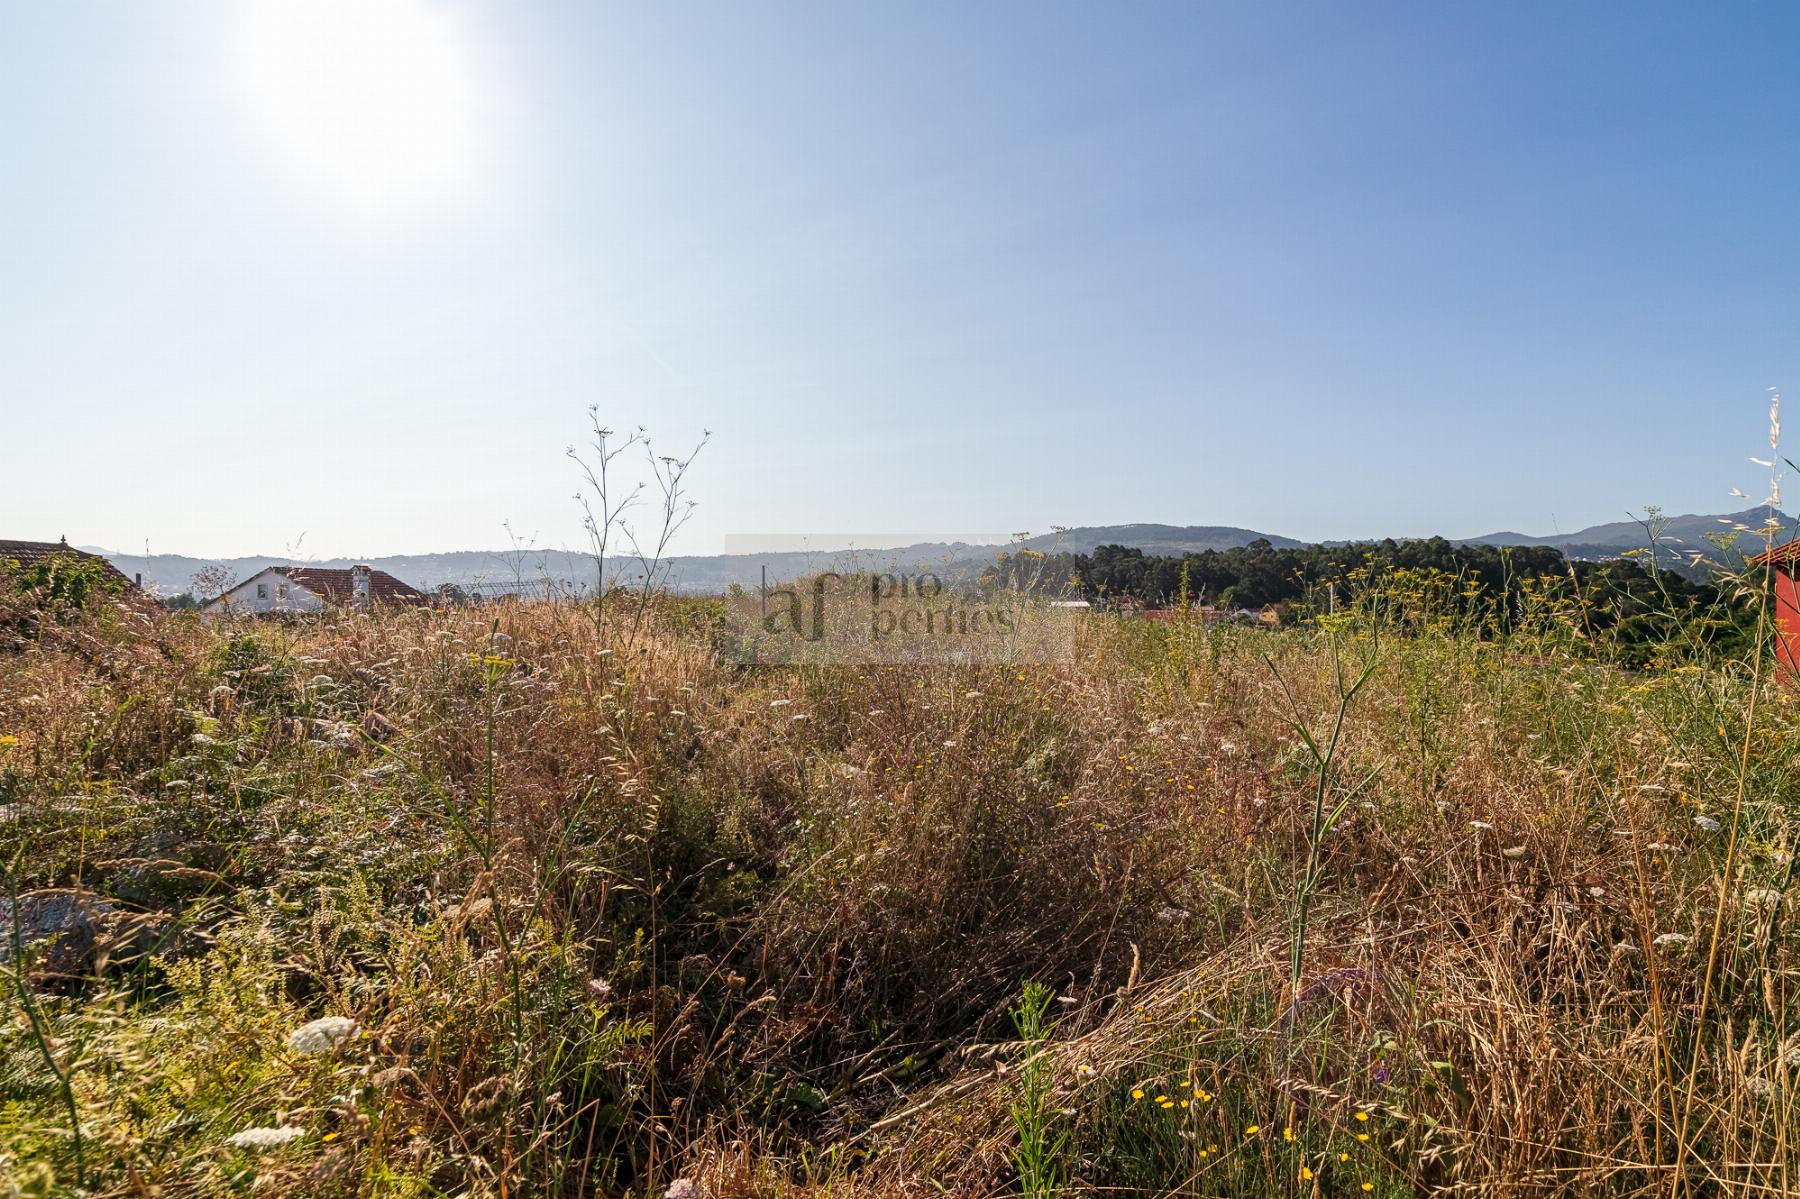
{"x":243,"y":597}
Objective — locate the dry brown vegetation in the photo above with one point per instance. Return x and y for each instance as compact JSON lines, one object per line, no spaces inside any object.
{"x":611,"y":915}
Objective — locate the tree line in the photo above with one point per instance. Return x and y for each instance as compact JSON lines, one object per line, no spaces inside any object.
{"x":1487,"y":583}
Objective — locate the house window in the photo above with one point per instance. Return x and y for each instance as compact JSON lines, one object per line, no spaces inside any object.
{"x":262,"y":591}
{"x":281,"y":590}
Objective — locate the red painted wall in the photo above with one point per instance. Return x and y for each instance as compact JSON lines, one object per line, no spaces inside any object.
{"x":1787,"y":621}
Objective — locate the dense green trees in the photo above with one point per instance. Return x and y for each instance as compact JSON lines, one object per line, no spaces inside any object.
{"x":1258,"y":574}
{"x":1482,"y":583}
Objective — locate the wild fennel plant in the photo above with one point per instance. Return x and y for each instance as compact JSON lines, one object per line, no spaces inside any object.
{"x":1323,"y":753}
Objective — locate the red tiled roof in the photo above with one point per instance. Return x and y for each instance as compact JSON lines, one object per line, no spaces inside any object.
{"x":1780,"y":555}
{"x":27,"y":552}
{"x":334,"y":585}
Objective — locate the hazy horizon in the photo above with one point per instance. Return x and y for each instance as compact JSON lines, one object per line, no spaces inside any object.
{"x":737,"y":544}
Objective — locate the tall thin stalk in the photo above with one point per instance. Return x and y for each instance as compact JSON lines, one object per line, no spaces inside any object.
{"x":603,"y":511}
{"x":40,"y":1032}
{"x":673,"y":512}
{"x":1726,"y":874}
{"x":1765,"y":616}
{"x":1324,"y":758}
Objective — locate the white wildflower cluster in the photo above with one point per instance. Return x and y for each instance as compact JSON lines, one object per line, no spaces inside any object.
{"x":321,"y":1035}
{"x":1672,"y":941}
{"x":682,"y":1188}
{"x":261,"y":1139}
{"x":1707,"y":824}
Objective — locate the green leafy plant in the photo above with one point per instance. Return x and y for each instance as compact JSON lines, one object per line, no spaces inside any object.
{"x":1038,"y":1158}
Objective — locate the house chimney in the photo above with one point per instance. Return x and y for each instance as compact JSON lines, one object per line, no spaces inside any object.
{"x":359,"y":586}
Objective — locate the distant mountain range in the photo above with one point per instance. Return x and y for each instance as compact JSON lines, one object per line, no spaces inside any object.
{"x":1680,"y":538}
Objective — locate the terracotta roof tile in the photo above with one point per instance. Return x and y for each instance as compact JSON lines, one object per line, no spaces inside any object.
{"x":334,"y":585}
{"x":27,"y":552}
{"x":1780,"y":555}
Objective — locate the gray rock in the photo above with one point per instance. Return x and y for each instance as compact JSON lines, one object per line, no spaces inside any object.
{"x":59,"y":928}
{"x":67,"y":931}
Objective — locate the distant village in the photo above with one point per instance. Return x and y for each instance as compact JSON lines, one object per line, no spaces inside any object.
{"x":275,"y":590}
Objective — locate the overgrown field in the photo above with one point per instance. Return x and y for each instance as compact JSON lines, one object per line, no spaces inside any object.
{"x":487,"y":901}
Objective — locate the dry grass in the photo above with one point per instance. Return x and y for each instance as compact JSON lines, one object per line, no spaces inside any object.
{"x":609,"y":916}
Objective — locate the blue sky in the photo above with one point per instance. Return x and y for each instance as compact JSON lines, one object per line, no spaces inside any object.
{"x":1325,"y":270}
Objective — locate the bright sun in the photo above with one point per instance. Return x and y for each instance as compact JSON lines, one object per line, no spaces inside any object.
{"x":374,"y":99}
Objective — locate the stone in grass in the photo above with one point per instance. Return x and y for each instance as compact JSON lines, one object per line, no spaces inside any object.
{"x":261,"y":1140}
{"x":70,"y":932}
{"x":321,"y":1035}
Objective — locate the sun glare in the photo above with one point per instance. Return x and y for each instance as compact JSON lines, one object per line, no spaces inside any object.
{"x":376,"y":100}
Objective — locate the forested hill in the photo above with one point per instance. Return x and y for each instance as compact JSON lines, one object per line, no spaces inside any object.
{"x":1679,"y":539}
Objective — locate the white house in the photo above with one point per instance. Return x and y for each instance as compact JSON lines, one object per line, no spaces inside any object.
{"x":311,"y":588}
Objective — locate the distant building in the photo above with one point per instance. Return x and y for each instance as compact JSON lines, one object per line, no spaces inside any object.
{"x":296,"y":589}
{"x":1266,"y":617}
{"x":27,"y":553}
